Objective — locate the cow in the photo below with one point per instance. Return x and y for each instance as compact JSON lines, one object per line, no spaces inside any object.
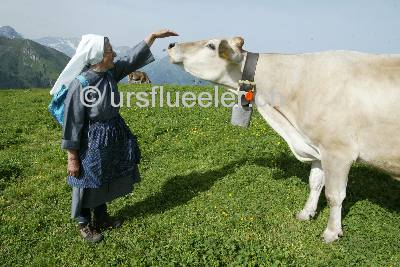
{"x":338,"y":107}
{"x":138,"y":77}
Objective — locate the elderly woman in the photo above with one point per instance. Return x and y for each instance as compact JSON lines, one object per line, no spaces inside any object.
{"x":102,"y":151}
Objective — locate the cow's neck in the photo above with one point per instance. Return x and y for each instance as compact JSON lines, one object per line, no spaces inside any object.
{"x":232,"y":76}
{"x":271,"y":77}
{"x":277,"y":79}
{"x":273,"y":85}
{"x":234,"y":73}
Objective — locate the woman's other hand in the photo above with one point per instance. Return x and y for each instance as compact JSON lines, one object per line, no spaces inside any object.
{"x":73,"y":167}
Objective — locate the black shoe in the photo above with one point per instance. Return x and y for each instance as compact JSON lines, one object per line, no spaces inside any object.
{"x":107,"y":222}
{"x":90,"y":233}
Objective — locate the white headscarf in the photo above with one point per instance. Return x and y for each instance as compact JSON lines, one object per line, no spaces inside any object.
{"x":90,"y":51}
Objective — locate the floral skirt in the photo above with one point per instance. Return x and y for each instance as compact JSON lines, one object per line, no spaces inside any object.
{"x":108,"y":151}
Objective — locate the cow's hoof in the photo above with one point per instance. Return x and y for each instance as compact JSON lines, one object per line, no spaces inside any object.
{"x":305,"y":215}
{"x":329,"y":236}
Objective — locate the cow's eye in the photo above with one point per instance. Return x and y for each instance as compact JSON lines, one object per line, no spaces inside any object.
{"x":211,"y":46}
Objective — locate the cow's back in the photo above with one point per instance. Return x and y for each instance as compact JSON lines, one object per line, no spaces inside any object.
{"x":342,"y":99}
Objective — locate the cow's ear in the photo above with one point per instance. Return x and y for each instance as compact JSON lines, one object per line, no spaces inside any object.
{"x":226,"y":51}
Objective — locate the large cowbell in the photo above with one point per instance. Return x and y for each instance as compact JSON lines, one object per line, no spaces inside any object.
{"x":241,"y":112}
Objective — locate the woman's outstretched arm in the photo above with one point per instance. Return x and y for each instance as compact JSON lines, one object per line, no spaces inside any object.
{"x":139,"y":56}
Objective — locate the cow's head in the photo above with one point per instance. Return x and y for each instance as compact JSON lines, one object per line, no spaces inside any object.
{"x":216,"y":60}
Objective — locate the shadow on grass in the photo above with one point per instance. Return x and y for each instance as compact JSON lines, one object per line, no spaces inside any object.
{"x":365,"y":183}
{"x":178,"y":190}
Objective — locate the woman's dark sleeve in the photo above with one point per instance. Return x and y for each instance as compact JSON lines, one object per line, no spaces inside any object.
{"x":139,"y":57}
{"x":74,"y":117}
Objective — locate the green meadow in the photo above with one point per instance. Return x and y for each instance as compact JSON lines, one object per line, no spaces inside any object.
{"x":211,"y":195}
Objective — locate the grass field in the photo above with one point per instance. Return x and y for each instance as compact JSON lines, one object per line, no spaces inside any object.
{"x":211,"y":194}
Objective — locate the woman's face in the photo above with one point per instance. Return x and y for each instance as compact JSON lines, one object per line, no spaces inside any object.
{"x":108,"y":56}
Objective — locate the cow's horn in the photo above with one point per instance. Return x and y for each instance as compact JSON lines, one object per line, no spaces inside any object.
{"x":238,"y":41}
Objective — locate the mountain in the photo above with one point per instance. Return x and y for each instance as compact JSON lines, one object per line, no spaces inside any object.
{"x":9,"y":32}
{"x":25,"y":63}
{"x":64,"y":45}
{"x":69,"y":45}
{"x":162,"y":71}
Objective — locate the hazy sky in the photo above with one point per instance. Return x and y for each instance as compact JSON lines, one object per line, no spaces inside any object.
{"x":266,"y":26}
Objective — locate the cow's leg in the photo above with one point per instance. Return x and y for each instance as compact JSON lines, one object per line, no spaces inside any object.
{"x":336,"y":170}
{"x":316,"y":183}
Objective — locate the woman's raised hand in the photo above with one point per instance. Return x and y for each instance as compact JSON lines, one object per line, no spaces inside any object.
{"x":164,"y":33}
{"x":159,"y":34}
